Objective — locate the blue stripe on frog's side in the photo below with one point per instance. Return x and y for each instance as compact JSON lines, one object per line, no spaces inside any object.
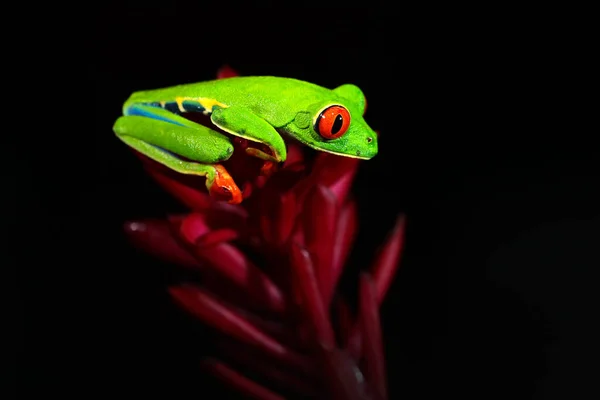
{"x":172,"y":106}
{"x":145,"y":110}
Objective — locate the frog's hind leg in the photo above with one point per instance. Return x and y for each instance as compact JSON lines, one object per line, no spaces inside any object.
{"x":219,"y":183}
{"x":164,"y":137}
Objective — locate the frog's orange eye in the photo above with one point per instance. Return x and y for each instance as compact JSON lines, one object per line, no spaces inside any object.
{"x":333,"y":122}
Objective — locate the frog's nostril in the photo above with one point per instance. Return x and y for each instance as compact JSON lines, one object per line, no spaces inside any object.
{"x":369,"y":139}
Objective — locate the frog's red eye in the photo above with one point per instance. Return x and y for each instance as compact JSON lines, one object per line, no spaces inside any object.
{"x":333,"y":122}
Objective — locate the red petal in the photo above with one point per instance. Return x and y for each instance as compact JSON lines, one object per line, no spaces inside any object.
{"x":266,"y":218}
{"x":226,"y":72}
{"x":214,"y":313}
{"x":319,"y":235}
{"x":155,"y":237}
{"x":193,"y":227}
{"x":371,"y":334}
{"x":280,"y":377}
{"x":286,"y":216}
{"x":270,"y":327}
{"x":186,"y":189}
{"x":342,"y":375}
{"x":312,"y":302}
{"x":216,"y":237}
{"x":347,"y":225}
{"x":231,"y":263}
{"x":336,"y":173}
{"x":277,"y":214}
{"x":386,"y":263}
{"x":238,"y":381}
{"x":298,"y":233}
{"x":275,"y":329}
{"x":294,"y":155}
{"x":195,"y":230}
{"x":191,"y":197}
{"x":345,"y":321}
{"x":383,"y":269}
{"x":354,"y":344}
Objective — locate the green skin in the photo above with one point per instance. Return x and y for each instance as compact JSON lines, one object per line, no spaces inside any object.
{"x":259,"y":109}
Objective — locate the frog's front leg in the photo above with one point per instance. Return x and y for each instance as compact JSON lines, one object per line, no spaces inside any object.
{"x":181,"y":145}
{"x":240,"y":121}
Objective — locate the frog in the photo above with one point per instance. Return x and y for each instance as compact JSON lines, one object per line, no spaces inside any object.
{"x":266,"y":111}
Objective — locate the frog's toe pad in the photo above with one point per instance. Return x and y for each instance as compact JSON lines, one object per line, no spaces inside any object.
{"x":223,"y":187}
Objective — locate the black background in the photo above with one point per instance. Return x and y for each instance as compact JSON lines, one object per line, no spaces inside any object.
{"x":482,"y":147}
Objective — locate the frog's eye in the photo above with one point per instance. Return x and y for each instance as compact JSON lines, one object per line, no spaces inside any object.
{"x":333,"y":122}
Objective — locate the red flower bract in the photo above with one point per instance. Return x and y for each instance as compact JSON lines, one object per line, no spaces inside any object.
{"x":269,"y":269}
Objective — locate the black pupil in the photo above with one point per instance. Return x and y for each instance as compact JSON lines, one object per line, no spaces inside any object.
{"x":337,"y":124}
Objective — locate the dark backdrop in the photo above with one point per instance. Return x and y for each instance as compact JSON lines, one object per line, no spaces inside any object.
{"x":481,"y":146}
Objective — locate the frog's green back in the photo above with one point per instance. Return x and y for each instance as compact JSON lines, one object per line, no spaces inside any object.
{"x":275,"y":99}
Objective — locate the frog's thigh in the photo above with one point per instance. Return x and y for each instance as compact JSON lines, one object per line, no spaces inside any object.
{"x":173,"y":133}
{"x":218,"y":181}
{"x":163,"y":140}
{"x":242,"y":122}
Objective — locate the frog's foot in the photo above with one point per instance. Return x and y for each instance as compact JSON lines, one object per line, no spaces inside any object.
{"x":221,"y":185}
{"x":269,"y":168}
{"x":270,"y":165}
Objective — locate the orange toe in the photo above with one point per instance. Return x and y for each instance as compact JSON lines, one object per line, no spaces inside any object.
{"x":224,"y":187}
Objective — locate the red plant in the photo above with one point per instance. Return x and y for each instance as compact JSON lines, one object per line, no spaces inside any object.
{"x":269,"y":269}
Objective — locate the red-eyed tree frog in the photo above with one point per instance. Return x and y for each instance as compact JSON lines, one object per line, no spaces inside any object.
{"x":262,"y":109}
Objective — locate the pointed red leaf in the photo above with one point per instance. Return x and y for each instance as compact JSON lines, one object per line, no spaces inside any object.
{"x":294,"y":155}
{"x":281,"y":332}
{"x":275,"y":329}
{"x":230,"y":293}
{"x":371,"y":336}
{"x":191,"y":191}
{"x":387,"y":260}
{"x":342,"y":375}
{"x":298,"y":232}
{"x":216,"y":314}
{"x":231,"y":263}
{"x":341,"y":186}
{"x":193,"y":226}
{"x":193,"y":198}
{"x":383,"y":269}
{"x":336,"y":173}
{"x":266,"y":219}
{"x":312,"y":302}
{"x":285,"y":217}
{"x":226,"y":72}
{"x":280,"y":377}
{"x":345,"y":320}
{"x":155,"y":237}
{"x":354,"y":344}
{"x":236,"y":380}
{"x":319,"y":215}
{"x":216,"y":237}
{"x":345,"y":233}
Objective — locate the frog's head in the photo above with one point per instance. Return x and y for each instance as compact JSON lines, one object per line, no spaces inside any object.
{"x":336,"y":125}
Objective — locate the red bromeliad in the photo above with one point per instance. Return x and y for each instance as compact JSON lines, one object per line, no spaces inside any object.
{"x":270,"y":269}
